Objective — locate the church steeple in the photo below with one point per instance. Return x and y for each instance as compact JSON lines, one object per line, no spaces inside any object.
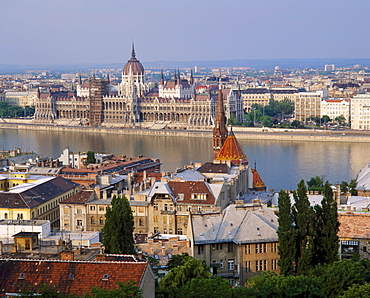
{"x":220,"y":130}
{"x":161,"y":82}
{"x":191,"y":77}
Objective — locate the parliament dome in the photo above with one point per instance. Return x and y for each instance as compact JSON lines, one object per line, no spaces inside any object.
{"x":133,"y":66}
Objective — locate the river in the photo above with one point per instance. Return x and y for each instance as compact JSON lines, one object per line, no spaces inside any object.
{"x":281,"y":164}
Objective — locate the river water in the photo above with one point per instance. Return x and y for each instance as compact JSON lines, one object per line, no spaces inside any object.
{"x":281,"y":164}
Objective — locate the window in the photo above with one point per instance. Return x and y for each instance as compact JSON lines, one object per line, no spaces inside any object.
{"x":171,"y":207}
{"x":179,"y":231}
{"x":274,"y":264}
{"x":273,"y":247}
{"x":92,"y":208}
{"x":155,"y":230}
{"x":165,"y":207}
{"x":265,"y":247}
{"x":179,"y":220}
{"x":165,"y":231}
{"x":20,"y":216}
{"x":221,"y":264}
{"x":247,"y":249}
{"x":248,"y":266}
{"x":101,"y":208}
{"x":79,"y":222}
{"x":66,"y":210}
{"x":141,"y":222}
{"x":170,"y":231}
{"x":230,"y":247}
{"x":170,"y":220}
{"x":92,"y":220}
{"x":164,"y":219}
{"x":200,"y":249}
{"x":79,"y":211}
{"x":101,"y":220}
{"x":179,"y":208}
{"x":141,"y":210}
{"x":5,"y":215}
{"x":155,"y":218}
{"x":257,"y":248}
{"x":230,"y":265}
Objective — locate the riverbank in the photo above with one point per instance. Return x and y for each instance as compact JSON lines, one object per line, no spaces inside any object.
{"x":241,"y":132}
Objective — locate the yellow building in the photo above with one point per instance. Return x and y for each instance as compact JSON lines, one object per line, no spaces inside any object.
{"x":25,"y":196}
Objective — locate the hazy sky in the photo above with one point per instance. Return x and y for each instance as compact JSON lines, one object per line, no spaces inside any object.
{"x":101,"y":31}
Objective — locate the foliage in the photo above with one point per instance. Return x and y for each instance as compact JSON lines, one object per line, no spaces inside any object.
{"x":207,"y":288}
{"x":296,"y":123}
{"x":181,"y":275}
{"x":232,"y":120}
{"x":119,"y":227}
{"x":90,"y":157}
{"x":285,"y":124}
{"x":177,"y":260}
{"x":340,"y":120}
{"x":326,"y":119}
{"x":286,"y":234}
{"x":46,"y":291}
{"x":352,"y":187}
{"x":344,"y":187}
{"x":125,"y":290}
{"x":357,"y":291}
{"x":266,"y":121}
{"x":271,"y":285}
{"x":316,"y":183}
{"x":10,"y":111}
{"x":339,"y":276}
{"x":275,"y":108}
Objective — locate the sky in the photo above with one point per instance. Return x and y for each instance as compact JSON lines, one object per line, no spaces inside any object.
{"x":96,"y":31}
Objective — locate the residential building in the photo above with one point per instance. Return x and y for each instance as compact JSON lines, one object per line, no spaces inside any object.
{"x":335,"y":107}
{"x":237,"y":243}
{"x":75,"y":277}
{"x":360,"y":111}
{"x":308,"y":104}
{"x":25,"y":196}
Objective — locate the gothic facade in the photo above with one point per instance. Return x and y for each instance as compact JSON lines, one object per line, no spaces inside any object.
{"x":174,"y":104}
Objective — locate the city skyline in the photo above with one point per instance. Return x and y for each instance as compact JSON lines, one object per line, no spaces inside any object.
{"x":64,"y":32}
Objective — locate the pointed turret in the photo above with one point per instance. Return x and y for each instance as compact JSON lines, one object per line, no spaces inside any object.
{"x":232,"y":151}
{"x":178,"y":77}
{"x":220,"y":130}
{"x":79,"y":79}
{"x":161,"y":82}
{"x":191,"y":77}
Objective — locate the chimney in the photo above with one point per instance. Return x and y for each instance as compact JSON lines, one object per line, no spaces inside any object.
{"x":163,"y":250}
{"x":67,"y":255}
{"x":97,"y":192}
{"x":140,"y":255}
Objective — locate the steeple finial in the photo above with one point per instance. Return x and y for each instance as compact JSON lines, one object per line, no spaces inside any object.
{"x":162,"y":78}
{"x":133,"y":50}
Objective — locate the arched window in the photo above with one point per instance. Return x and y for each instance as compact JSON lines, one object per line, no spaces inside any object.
{"x":92,"y":220}
{"x":141,"y":222}
{"x":101,"y":220}
{"x":6,"y":216}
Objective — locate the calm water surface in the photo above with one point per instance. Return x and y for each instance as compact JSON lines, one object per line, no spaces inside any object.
{"x":281,"y":163}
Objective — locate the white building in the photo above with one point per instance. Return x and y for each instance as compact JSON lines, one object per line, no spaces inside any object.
{"x":23,"y":99}
{"x":308,"y":104}
{"x":336,"y":107}
{"x":8,"y":228}
{"x":360,"y":111}
{"x":329,"y":67}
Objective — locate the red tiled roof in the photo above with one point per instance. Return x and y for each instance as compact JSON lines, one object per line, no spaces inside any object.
{"x":68,"y":277}
{"x":354,"y":226}
{"x":231,"y":150}
{"x":258,"y":184}
{"x":189,"y":188}
{"x":78,"y":198}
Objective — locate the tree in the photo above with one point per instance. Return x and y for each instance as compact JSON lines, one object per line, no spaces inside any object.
{"x":119,"y":227}
{"x":316,"y":183}
{"x":326,"y":119}
{"x":266,"y":121}
{"x":357,"y":291}
{"x":344,"y":187}
{"x":286,"y":234}
{"x":296,"y":123}
{"x":340,"y":120}
{"x":90,"y":157}
{"x":207,"y":288}
{"x":232,"y":120}
{"x":177,"y":260}
{"x":126,"y":290}
{"x":352,"y":187}
{"x":302,"y":213}
{"x":183,"y":274}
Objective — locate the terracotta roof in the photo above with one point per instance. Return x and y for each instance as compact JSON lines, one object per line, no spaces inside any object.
{"x":356,"y":226}
{"x":67,"y":276}
{"x":194,"y":192}
{"x":231,"y":150}
{"x":258,"y":184}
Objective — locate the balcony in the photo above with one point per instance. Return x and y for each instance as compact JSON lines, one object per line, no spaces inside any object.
{"x":168,"y":212}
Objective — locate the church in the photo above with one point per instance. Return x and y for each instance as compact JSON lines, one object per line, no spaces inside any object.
{"x":175,"y":103}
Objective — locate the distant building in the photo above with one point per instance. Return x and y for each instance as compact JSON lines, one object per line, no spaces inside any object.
{"x":308,"y":104}
{"x":335,"y":107}
{"x":360,"y":111}
{"x":329,"y":67}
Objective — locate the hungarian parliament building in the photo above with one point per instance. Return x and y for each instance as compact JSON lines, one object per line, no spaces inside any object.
{"x":175,"y":103}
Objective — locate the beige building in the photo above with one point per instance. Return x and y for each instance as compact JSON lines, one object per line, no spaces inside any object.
{"x":360,"y":111}
{"x":21,"y":98}
{"x":308,"y":104}
{"x":238,"y":243}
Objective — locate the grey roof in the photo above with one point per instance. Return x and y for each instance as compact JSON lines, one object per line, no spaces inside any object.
{"x":237,"y":224}
{"x":363,"y":178}
{"x":45,"y":170}
{"x":189,"y":175}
